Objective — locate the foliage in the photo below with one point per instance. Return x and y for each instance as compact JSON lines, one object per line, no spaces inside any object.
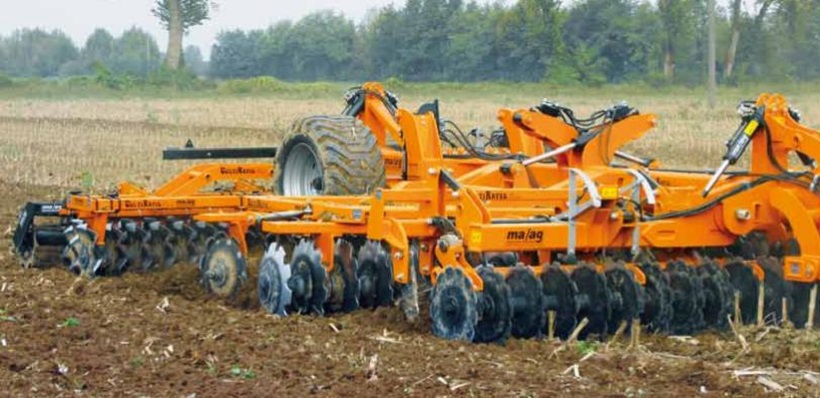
{"x":194,"y":12}
{"x":136,"y":53}
{"x":256,"y":85}
{"x":5,"y":82}
{"x":35,"y":52}
{"x":6,"y":318}
{"x":179,"y":79}
{"x":194,"y":61}
{"x":582,"y":42}
{"x":585,"y":347}
{"x":99,"y":47}
{"x":239,"y":372}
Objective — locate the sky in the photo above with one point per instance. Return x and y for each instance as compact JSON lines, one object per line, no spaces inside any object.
{"x":79,"y":18}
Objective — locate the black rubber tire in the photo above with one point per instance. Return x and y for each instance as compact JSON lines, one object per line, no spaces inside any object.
{"x":350,"y":156}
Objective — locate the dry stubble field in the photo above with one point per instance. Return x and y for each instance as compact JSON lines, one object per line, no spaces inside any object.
{"x":158,"y":335}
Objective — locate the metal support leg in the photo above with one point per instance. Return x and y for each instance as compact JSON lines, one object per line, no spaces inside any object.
{"x":573,"y":199}
{"x":636,"y":231}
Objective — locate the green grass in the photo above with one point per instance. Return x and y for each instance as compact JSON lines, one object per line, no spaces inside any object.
{"x":586,"y":347}
{"x":241,"y":373}
{"x":137,"y":362}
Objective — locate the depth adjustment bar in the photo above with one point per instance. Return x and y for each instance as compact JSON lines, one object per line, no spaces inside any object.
{"x":188,"y":152}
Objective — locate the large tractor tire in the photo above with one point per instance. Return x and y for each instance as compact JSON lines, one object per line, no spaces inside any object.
{"x":329,"y":155}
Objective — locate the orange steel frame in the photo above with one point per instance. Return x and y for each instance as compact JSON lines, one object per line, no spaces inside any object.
{"x":485,"y":199}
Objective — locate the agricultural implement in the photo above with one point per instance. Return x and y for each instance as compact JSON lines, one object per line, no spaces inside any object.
{"x":532,"y":229}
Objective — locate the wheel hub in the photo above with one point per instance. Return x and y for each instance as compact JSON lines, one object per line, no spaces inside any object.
{"x":303,"y":174}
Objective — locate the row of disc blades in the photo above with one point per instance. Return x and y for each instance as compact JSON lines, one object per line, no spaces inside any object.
{"x":143,"y":245}
{"x":292,"y":278}
{"x":679,"y":298}
{"x":676,"y":299}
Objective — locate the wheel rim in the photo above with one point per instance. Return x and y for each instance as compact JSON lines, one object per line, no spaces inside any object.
{"x":302,"y":175}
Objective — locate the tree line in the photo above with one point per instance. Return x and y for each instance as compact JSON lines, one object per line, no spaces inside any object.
{"x":40,"y":53}
{"x":586,"y":41}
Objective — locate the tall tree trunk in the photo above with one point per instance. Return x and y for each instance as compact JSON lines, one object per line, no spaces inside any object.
{"x":668,"y":61}
{"x":668,"y":18}
{"x":712,"y":84}
{"x":174,"y":53}
{"x":729,"y":65}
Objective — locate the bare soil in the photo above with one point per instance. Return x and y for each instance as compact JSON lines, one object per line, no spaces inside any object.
{"x":159,"y":335}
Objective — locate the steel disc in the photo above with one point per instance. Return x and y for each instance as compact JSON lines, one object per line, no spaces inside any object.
{"x":181,"y":240}
{"x":686,"y":298}
{"x":79,"y":255}
{"x":255,"y":240}
{"x":560,"y":295}
{"x":224,"y":268}
{"x":775,"y":289}
{"x":130,"y":244}
{"x":745,"y":282}
{"x":453,"y":305}
{"x":594,"y":299}
{"x":527,"y":302}
{"x":204,"y":234}
{"x":658,"y":312}
{"x":27,"y":258}
{"x":308,"y":281}
{"x":375,"y":276}
{"x":344,"y":283}
{"x":115,"y":259}
{"x":152,"y":251}
{"x":494,"y":310}
{"x":502,"y":259}
{"x":158,"y":250}
{"x":799,"y":311}
{"x":272,"y":288}
{"x":627,"y":294}
{"x":718,"y":294}
{"x":46,"y":247}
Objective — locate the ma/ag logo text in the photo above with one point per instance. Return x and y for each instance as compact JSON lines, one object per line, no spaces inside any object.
{"x":527,"y":235}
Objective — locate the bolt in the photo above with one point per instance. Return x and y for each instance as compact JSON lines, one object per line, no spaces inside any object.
{"x":443,"y":246}
{"x":614,"y":216}
{"x":743,"y":214}
{"x":455,"y":194}
{"x":431,"y":171}
{"x":398,"y":255}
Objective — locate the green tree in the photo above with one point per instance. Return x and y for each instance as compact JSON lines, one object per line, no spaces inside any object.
{"x":35,"y":52}
{"x":177,"y":17}
{"x":275,"y":54}
{"x":194,"y":61}
{"x":232,"y":56}
{"x":99,"y":47}
{"x":136,"y":53}
{"x":530,"y":40}
{"x":323,"y":44}
{"x":731,"y":52}
{"x":384,"y":43}
{"x":473,"y":47}
{"x":616,"y":36}
{"x":677,"y":19}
